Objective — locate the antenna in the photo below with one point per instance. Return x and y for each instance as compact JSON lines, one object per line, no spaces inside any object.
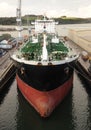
{"x":28,"y":24}
{"x":18,"y":19}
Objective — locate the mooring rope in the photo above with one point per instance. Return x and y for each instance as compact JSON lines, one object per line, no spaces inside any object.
{"x":79,"y":72}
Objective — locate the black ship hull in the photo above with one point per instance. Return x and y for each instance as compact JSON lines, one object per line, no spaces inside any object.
{"x":45,"y":78}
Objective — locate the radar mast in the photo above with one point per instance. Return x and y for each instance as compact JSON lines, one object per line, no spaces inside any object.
{"x":19,"y":27}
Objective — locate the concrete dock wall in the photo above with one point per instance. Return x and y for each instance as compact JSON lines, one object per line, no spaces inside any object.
{"x":81,"y":38}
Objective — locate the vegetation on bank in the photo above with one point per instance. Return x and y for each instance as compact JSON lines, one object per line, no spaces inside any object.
{"x":28,"y":19}
{"x":72,"y":20}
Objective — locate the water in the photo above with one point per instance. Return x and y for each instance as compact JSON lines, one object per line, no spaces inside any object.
{"x":61,"y":29}
{"x":74,"y":113}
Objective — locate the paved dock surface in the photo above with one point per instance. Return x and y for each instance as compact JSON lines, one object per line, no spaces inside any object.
{"x":7,"y":68}
{"x":4,"y":63}
{"x":81,"y":66}
{"x":82,"y":37}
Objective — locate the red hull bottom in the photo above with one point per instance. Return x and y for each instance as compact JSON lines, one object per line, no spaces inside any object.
{"x":44,"y":102}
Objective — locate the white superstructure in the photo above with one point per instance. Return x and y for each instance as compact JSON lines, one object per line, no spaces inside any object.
{"x":47,"y":25}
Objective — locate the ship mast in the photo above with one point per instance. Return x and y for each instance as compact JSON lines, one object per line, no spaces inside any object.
{"x":19,"y":22}
{"x":44,"y":49}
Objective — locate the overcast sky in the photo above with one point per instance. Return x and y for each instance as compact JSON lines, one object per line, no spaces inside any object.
{"x":52,"y":8}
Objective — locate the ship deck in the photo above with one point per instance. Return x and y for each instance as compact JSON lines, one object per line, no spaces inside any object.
{"x":32,"y":51}
{"x":35,"y":47}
